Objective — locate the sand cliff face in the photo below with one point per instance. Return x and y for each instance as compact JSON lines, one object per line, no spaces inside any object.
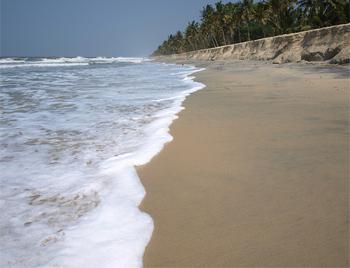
{"x":329,"y":44}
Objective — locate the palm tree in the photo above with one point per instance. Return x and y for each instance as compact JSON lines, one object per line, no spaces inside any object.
{"x":229,"y":20}
{"x":219,"y":16}
{"x":191,"y":34}
{"x":208,"y":24}
{"x":238,"y":19}
{"x":224,"y":23}
{"x":248,"y":13}
{"x":262,"y":14}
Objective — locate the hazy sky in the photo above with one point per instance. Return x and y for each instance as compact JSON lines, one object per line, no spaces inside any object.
{"x":91,"y":27}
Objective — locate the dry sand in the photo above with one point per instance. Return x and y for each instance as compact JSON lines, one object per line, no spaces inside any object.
{"x":257,"y":174}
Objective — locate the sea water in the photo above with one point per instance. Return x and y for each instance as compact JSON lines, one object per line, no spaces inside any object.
{"x":72,"y":131}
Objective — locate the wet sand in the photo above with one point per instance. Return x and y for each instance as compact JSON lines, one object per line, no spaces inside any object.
{"x":258,"y":172}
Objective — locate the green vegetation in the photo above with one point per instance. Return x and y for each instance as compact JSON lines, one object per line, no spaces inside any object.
{"x":247,"y":20}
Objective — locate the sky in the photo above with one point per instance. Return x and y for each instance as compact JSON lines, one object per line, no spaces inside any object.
{"x":91,"y":27}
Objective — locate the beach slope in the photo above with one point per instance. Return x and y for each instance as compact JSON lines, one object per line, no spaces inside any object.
{"x":257,"y":173}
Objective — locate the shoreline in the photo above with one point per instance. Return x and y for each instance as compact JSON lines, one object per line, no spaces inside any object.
{"x":257,"y":172}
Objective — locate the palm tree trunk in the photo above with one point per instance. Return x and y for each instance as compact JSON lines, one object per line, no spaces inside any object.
{"x":215,"y":41}
{"x":223,"y":37}
{"x":205,"y":42}
{"x":195,"y":45}
{"x":232,"y":36}
{"x":248,"y":31}
{"x":191,"y":44}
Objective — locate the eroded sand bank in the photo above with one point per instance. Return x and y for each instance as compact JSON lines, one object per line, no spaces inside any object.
{"x":328,"y":44}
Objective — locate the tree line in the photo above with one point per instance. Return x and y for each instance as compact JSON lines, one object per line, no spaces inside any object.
{"x":235,"y":22}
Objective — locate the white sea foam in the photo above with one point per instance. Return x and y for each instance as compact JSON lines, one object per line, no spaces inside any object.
{"x":6,"y":66}
{"x":70,"y":187}
{"x":10,"y":60}
{"x":65,"y":62}
{"x":128,"y":237}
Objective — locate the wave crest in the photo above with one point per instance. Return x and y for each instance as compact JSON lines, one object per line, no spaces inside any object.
{"x":6,"y":63}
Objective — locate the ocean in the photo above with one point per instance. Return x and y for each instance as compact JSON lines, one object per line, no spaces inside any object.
{"x":72,"y":131}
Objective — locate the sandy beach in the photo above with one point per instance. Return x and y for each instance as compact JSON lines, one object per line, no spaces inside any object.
{"x":257,"y":174}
